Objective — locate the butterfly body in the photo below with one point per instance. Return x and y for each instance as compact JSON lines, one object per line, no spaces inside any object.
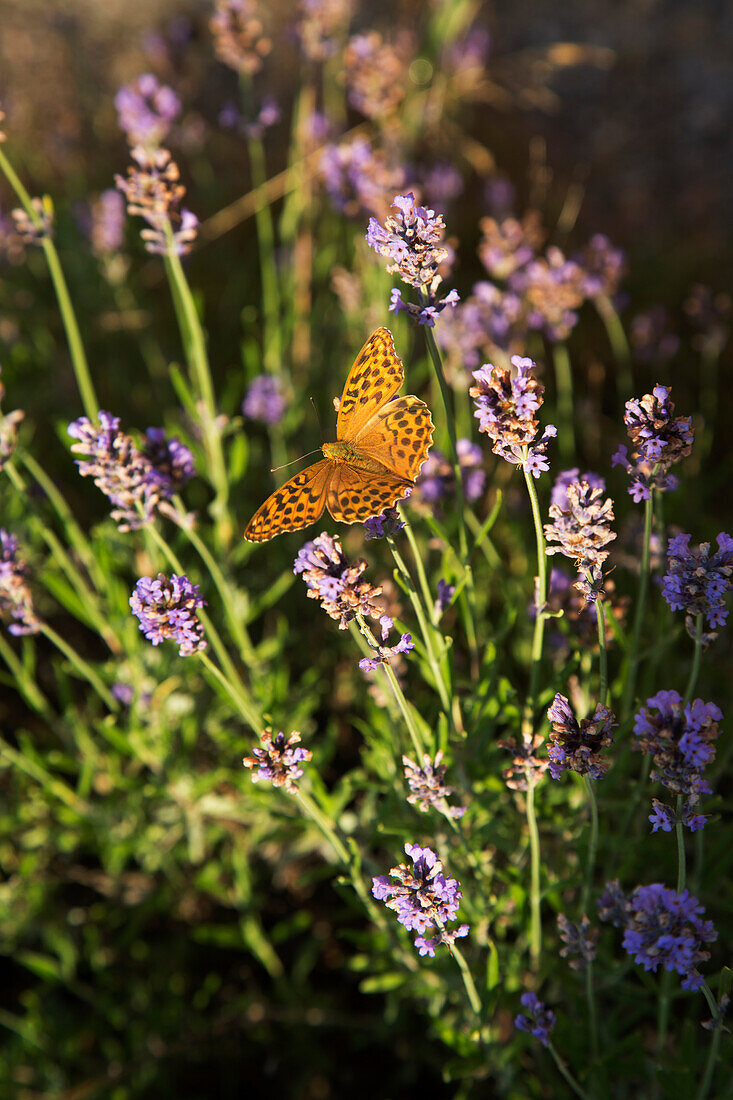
{"x":382,"y":441}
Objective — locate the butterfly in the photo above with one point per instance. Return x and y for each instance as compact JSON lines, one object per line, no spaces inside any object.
{"x":381,"y":443}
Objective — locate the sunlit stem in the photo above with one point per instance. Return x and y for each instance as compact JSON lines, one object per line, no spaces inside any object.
{"x":619,"y":345}
{"x":26,"y":684}
{"x":82,"y":667}
{"x":540,"y":602}
{"x":602,"y":653}
{"x":633,"y":663}
{"x":394,"y":684}
{"x":468,"y":982}
{"x":73,"y":336}
{"x":535,"y":925}
{"x":564,"y":387}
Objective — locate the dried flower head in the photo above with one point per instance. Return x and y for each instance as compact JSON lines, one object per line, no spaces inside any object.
{"x":576,"y":746}
{"x":265,"y":400}
{"x":375,"y":75}
{"x":697,"y":581}
{"x":539,"y":1021}
{"x":16,"y":599}
{"x":582,"y":529}
{"x":145,"y":110}
{"x":166,"y":608}
{"x":661,"y":927}
{"x":423,"y":898}
{"x":278,"y":760}
{"x":659,"y":439}
{"x":33,"y":229}
{"x":509,"y":245}
{"x":506,"y":403}
{"x":428,"y":787}
{"x":527,"y":767}
{"x":580,"y":941}
{"x":321,"y":25}
{"x":154,"y":192}
{"x":239,"y":35}
{"x":332,"y":580}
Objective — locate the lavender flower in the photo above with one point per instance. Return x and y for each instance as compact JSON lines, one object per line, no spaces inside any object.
{"x":166,"y":608}
{"x":681,"y":746}
{"x":509,"y":245}
{"x":422,"y":315}
{"x":133,"y":480}
{"x":412,"y":240}
{"x":580,"y":941}
{"x":264,"y":400}
{"x":387,"y":524}
{"x":358,"y":177}
{"x":437,"y":477}
{"x":540,"y":1019}
{"x":661,"y":927}
{"x":506,"y":403}
{"x":8,"y":430}
{"x":268,"y":115}
{"x":238,"y":33}
{"x":445,"y":595}
{"x":154,"y":192}
{"x":385,"y":653}
{"x":667,"y":817}
{"x":34,"y":230}
{"x":278,"y":761}
{"x":107,"y":223}
{"x":427,"y":785}
{"x":443,"y":182}
{"x":320,"y":26}
{"x":334,"y":582}
{"x":659,"y":440}
{"x":575,"y":746}
{"x":552,"y":291}
{"x":16,"y":599}
{"x":483,"y":322}
{"x":582,"y":530}
{"x":146,"y":109}
{"x":602,"y":267}
{"x":375,"y":75}
{"x":423,"y":898}
{"x":559,"y":492}
{"x":527,"y":768}
{"x":696,"y":581}
{"x":651,"y":336}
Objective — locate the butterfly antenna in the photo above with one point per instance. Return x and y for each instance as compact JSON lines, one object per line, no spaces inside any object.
{"x":315,"y":410}
{"x":274,"y":469}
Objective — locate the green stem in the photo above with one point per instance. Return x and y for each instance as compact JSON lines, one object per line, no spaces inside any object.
{"x":619,"y":345}
{"x":535,"y":935}
{"x":695,"y":670}
{"x":603,"y":654}
{"x":468,"y":981}
{"x":592,"y":843}
{"x":590,"y":1000}
{"x":468,"y":596}
{"x":271,"y":305}
{"x":540,"y":601}
{"x":702,"y":1092}
{"x":566,"y":1073}
{"x":633,"y":660}
{"x":73,"y":336}
{"x":396,"y":691}
{"x":26,"y":684}
{"x":82,"y":667}
{"x":564,"y":387}
{"x":327,"y":827}
{"x":681,"y":863}
{"x":231,"y":689}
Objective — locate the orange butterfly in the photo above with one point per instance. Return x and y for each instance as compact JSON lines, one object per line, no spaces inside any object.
{"x":381,"y":443}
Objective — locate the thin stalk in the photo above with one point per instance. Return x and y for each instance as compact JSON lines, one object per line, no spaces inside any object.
{"x":271,"y":304}
{"x":412,"y":729}
{"x":564,"y":388}
{"x":702,"y":1092}
{"x":26,"y":684}
{"x":535,"y":926}
{"x":468,"y":982}
{"x":540,"y":601}
{"x":695,"y":670}
{"x":681,"y":863}
{"x":230,"y":688}
{"x":84,"y":669}
{"x":469,"y":598}
{"x":633,"y":660}
{"x":73,"y":336}
{"x":592,"y":843}
{"x":603,"y":654}
{"x":566,"y":1073}
{"x":590,"y":1000}
{"x":40,"y":775}
{"x":619,"y":345}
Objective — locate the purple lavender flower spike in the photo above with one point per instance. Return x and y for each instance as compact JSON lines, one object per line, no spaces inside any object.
{"x":278,"y":761}
{"x":486,"y":320}
{"x":602,"y":267}
{"x":445,"y":595}
{"x":697,"y":581}
{"x":659,"y":440}
{"x":171,"y":460}
{"x":166,"y":608}
{"x":661,"y":927}
{"x":581,"y":528}
{"x":580,"y":941}
{"x":539,"y":1021}
{"x":16,"y":599}
{"x":576,"y":746}
{"x":506,"y":403}
{"x":385,"y":653}
{"x":388,"y":523}
{"x":427,"y":785}
{"x":423,"y":898}
{"x":331,"y":579}
{"x":264,"y":400}
{"x":146,"y":109}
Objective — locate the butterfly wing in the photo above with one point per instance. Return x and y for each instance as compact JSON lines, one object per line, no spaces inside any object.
{"x":398,"y":436}
{"x":354,"y":495}
{"x":376,"y":375}
{"x":297,"y":503}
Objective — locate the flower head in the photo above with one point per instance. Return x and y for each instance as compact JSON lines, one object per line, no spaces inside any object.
{"x":575,"y":746}
{"x":437,"y":477}
{"x":166,"y":608}
{"x":445,"y":596}
{"x":107,"y":222}
{"x":239,"y":38}
{"x":172,"y":462}
{"x":551,"y":289}
{"x":423,"y":898}
{"x":580,"y":941}
{"x":581,"y":528}
{"x":659,"y":439}
{"x":16,"y":599}
{"x":321,"y":22}
{"x":264,"y":400}
{"x":387,"y":524}
{"x":146,"y":109}
{"x":509,"y":245}
{"x":427,"y":785}
{"x":359,"y":177}
{"x":697,"y":581}
{"x":602,"y":266}
{"x":411,"y":239}
{"x":375,"y":75}
{"x":34,"y":229}
{"x":332,"y":580}
{"x":277,"y":760}
{"x":539,"y":1021}
{"x":527,"y":767}
{"x":154,"y":192}
{"x":661,"y":927}
{"x":506,"y":404}
{"x":384,"y":653}
{"x":483,"y":322}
